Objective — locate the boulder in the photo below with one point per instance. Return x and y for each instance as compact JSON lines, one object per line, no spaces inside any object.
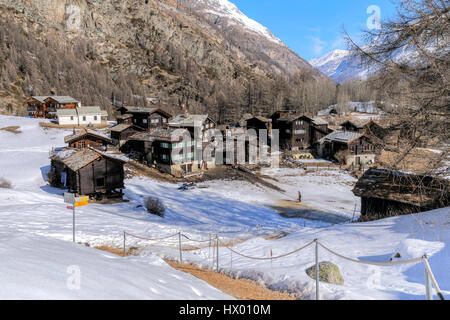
{"x":328,"y":272}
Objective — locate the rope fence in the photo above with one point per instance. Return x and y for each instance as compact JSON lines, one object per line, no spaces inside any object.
{"x":214,"y":242}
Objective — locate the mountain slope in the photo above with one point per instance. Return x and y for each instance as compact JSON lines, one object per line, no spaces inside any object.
{"x":206,"y":53}
{"x":341,"y":65}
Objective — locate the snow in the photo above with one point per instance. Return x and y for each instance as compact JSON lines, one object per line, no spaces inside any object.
{"x":36,"y":234}
{"x":341,"y":65}
{"x":225,"y":8}
{"x":35,"y":267}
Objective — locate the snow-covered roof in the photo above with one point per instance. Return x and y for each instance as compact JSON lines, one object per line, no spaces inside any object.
{"x":85,"y":132}
{"x":189,"y":120}
{"x":342,"y":136}
{"x":319,"y":121}
{"x":159,"y":135}
{"x":95,"y":110}
{"x":120,"y":127}
{"x":41,"y":99}
{"x":75,"y":159}
{"x":63,"y":99}
{"x":66,"y":113}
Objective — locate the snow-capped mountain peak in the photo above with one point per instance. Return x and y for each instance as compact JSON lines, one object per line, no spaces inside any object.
{"x":228,"y":10}
{"x":341,"y":65}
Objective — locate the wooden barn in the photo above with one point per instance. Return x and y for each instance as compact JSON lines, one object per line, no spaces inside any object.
{"x":88,"y":172}
{"x":389,"y":193}
{"x":125,"y":119}
{"x":295,"y":130}
{"x":192,"y":122}
{"x":146,"y":118}
{"x":259,"y":123}
{"x":86,"y":138}
{"x":163,"y":149}
{"x":121,"y":132}
{"x":350,"y":148}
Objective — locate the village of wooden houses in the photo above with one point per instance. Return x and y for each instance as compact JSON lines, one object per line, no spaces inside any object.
{"x":133,"y":186}
{"x":180,"y":150}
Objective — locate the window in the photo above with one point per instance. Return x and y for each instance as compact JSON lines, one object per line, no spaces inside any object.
{"x":155,"y":121}
{"x":84,"y":118}
{"x":299,"y":131}
{"x":81,"y":144}
{"x":134,"y":120}
{"x":144,"y":121}
{"x":164,"y":120}
{"x":71,"y":118}
{"x":164,"y":145}
{"x":95,"y":118}
{"x":100,"y":182}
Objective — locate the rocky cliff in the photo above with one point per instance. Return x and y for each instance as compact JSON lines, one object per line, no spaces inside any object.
{"x":205,"y":53}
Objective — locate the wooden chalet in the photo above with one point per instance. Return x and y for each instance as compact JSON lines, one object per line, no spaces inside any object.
{"x":194,"y":123}
{"x":259,"y":123}
{"x":294,"y":129}
{"x":121,"y":132}
{"x":357,"y":125}
{"x":88,"y":138}
{"x":319,"y":130}
{"x":356,"y":148}
{"x":170,"y":150}
{"x":46,"y":106}
{"x":146,"y":118}
{"x":125,"y":119}
{"x":390,"y":193}
{"x":88,"y":172}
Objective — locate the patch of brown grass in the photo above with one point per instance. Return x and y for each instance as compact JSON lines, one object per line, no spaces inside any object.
{"x":118,"y":252}
{"x":242,"y":289}
{"x":12,"y":129}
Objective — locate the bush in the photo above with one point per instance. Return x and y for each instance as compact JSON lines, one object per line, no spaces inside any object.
{"x":5,"y":184}
{"x":155,"y":206}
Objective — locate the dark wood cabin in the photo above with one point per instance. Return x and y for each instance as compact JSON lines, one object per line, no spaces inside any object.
{"x":357,"y":148}
{"x":125,"y":119}
{"x":386,"y":193}
{"x":35,"y":106}
{"x":259,"y":123}
{"x":147,"y":118}
{"x":88,"y":138}
{"x":356,"y":125}
{"x":294,"y":130}
{"x":202,"y":123}
{"x":121,"y":132}
{"x":163,"y":149}
{"x":88,"y":172}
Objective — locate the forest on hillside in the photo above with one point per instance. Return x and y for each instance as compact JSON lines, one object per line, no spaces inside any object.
{"x":32,"y":66}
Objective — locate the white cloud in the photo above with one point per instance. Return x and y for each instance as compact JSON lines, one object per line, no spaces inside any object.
{"x":317,"y":45}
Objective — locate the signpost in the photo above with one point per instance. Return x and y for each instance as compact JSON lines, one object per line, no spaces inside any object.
{"x":75,"y":202}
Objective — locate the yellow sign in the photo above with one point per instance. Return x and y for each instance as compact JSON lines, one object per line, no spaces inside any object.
{"x":81,"y":204}
{"x":82,"y":201}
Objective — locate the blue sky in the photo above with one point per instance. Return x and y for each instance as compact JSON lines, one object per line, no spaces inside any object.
{"x":312,"y":28}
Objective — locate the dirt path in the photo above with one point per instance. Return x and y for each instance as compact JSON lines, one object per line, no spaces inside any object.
{"x":241,"y":289}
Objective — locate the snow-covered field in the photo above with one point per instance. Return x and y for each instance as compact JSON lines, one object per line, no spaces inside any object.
{"x":36,"y":232}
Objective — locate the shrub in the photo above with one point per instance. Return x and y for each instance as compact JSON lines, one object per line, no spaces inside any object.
{"x":5,"y":184}
{"x":155,"y":206}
